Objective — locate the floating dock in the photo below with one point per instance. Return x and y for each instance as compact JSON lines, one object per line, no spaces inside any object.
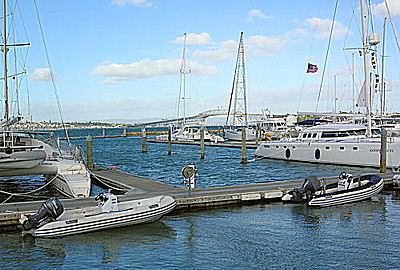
{"x":134,"y":187}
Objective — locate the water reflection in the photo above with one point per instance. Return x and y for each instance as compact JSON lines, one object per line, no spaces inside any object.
{"x":106,"y":245}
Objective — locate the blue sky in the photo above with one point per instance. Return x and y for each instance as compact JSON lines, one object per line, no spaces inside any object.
{"x":119,"y":59}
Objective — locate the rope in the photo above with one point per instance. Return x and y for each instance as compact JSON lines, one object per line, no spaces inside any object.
{"x":26,"y":194}
{"x":393,"y":28}
{"x":98,"y":179}
{"x":51,"y":73}
{"x":327,"y":54}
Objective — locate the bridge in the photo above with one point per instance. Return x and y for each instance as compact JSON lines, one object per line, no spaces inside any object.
{"x":201,"y":117}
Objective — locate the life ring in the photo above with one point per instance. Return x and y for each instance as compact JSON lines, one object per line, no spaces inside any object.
{"x":114,"y":168}
{"x":268,"y":137}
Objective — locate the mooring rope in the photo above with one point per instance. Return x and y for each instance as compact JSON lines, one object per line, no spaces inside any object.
{"x":109,"y":186}
{"x":26,"y":194}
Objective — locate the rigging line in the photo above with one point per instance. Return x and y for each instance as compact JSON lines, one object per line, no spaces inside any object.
{"x":26,"y":194}
{"x":309,"y":58}
{"x":52,"y":75}
{"x":391,"y":23}
{"x":233,"y":85}
{"x":371,"y":16}
{"x":327,"y":54}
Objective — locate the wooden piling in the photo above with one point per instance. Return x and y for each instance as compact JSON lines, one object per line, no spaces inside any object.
{"x":202,"y":151}
{"x":144,"y":140}
{"x":89,"y":152}
{"x":169,"y":140}
{"x":257,"y":134}
{"x":244,"y":155}
{"x":383,"y":150}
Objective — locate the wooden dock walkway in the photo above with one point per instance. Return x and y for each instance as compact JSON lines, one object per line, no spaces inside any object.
{"x":249,"y":145}
{"x":134,"y":187}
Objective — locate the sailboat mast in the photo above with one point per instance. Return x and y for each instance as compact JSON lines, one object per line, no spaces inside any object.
{"x":182,"y":87}
{"x":6,"y":116}
{"x":383,"y":90}
{"x":366,"y":70}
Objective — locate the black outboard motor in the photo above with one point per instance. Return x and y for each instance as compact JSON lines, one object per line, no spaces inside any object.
{"x":310,"y":185}
{"x":49,"y":211}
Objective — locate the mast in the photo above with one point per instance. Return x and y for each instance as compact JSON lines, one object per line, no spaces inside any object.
{"x":353,"y":83}
{"x":366,"y":70}
{"x":6,"y":116}
{"x":239,"y":89}
{"x":383,"y":93}
{"x":182,"y":88}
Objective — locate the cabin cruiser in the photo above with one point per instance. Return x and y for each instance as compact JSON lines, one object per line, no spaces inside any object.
{"x":340,"y":144}
{"x":235,"y":134}
{"x":191,"y":133}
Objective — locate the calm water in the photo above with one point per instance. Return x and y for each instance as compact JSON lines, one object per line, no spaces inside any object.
{"x":271,"y":236}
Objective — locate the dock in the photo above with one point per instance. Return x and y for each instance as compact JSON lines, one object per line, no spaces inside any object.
{"x":134,"y":187}
{"x":238,"y":144}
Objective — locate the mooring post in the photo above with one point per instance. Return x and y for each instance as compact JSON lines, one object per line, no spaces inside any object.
{"x":104,"y":132}
{"x":169,"y":140}
{"x":124,"y":132}
{"x":202,"y":154}
{"x":383,"y":150}
{"x":89,"y":152}
{"x":244,"y":156}
{"x":144,"y":140}
{"x":257,"y":134}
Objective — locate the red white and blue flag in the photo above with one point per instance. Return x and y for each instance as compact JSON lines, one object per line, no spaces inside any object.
{"x":312,"y":68}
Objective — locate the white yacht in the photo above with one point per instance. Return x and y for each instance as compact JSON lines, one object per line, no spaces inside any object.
{"x":191,"y":133}
{"x":235,"y":134}
{"x":339,"y":144}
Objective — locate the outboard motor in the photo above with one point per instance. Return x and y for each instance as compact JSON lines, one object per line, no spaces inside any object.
{"x":310,"y":185}
{"x":49,"y":211}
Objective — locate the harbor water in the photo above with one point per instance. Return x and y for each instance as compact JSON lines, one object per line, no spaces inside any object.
{"x":362,"y":235}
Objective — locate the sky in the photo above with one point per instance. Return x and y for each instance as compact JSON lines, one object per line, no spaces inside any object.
{"x":119,"y":60}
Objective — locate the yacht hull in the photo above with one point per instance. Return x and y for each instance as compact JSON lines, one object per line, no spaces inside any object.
{"x":352,"y":153}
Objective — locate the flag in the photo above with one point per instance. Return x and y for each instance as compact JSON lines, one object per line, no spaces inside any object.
{"x":312,"y":68}
{"x":361,"y":97}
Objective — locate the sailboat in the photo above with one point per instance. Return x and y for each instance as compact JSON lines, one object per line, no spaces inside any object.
{"x":23,"y":153}
{"x":339,"y":144}
{"x":238,"y":97}
{"x":185,"y":131}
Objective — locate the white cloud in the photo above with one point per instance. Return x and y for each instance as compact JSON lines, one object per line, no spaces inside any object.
{"x":256,"y":13}
{"x":43,"y":74}
{"x":322,"y":28}
{"x":138,"y":3}
{"x":147,"y":68}
{"x":195,"y":39}
{"x":225,"y":51}
{"x":394,"y":8}
{"x":267,"y":46}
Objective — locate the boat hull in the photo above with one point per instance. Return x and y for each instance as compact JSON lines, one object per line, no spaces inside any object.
{"x":21,"y":160}
{"x":103,"y":221}
{"x":347,"y":197}
{"x":350,"y":153}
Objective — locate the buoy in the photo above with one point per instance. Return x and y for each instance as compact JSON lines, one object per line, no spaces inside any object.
{"x":114,"y":168}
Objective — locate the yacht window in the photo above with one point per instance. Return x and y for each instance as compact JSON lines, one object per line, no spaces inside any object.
{"x":305,"y":135}
{"x":277,"y":146}
{"x":329,"y":134}
{"x":314,"y":135}
{"x":266,"y":146}
{"x":342,"y":148}
{"x":294,"y":147}
{"x":343,"y":134}
{"x":355,"y":148}
{"x":327,"y":148}
{"x":284,"y":146}
{"x":376,"y":132}
{"x":309,"y":135}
